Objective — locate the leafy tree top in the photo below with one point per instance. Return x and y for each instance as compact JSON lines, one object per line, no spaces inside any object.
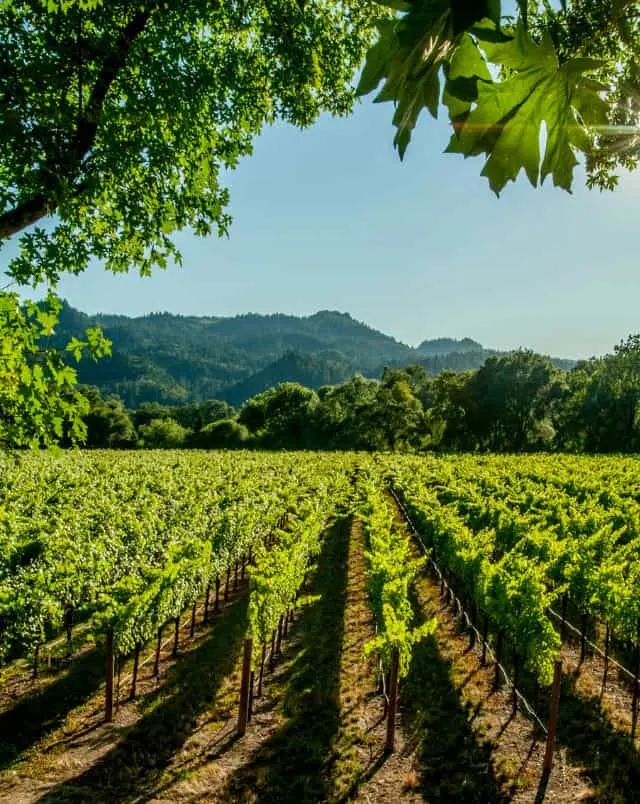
{"x":120,"y":117}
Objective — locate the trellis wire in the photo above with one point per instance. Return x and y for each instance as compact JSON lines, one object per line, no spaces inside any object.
{"x":479,"y":641}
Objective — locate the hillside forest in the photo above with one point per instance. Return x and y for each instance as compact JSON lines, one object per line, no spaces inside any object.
{"x":513,"y":402}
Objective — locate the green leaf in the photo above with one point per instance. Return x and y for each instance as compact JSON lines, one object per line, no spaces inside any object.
{"x":411,"y":52}
{"x":508,"y":118}
{"x":408,"y":57}
{"x":465,"y":68}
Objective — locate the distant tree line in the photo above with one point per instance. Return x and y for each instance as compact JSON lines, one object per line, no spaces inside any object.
{"x":513,"y":403}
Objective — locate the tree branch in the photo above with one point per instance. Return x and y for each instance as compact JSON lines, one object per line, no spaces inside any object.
{"x":38,"y":206}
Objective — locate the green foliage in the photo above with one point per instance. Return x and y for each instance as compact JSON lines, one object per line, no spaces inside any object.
{"x":598,"y":409}
{"x":391,"y":570}
{"x":280,"y":417}
{"x":130,"y":540}
{"x":39,"y":403}
{"x":283,"y":562}
{"x":163,"y":434}
{"x":570,"y":73}
{"x":121,"y":117}
{"x":224,"y":434}
{"x":107,"y":422}
{"x":506,"y":119}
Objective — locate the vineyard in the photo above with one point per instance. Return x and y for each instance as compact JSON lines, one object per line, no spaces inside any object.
{"x":203,"y":626}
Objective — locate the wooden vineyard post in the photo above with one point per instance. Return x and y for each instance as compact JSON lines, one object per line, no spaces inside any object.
{"x":207,"y":596}
{"x":393,"y":702}
{"x":583,"y":642}
{"x":261,"y":676}
{"x":280,"y":633}
{"x":243,"y":713}
{"x":251,"y":688}
{"x":134,"y":677}
{"x":496,"y":678}
{"x":156,"y":664}
{"x":272,"y":655}
{"x":36,"y":662}
{"x":553,"y":723}
{"x":192,"y":627}
{"x":68,"y":626}
{"x":607,"y":641}
{"x":108,"y":678}
{"x":226,"y":586}
{"x":176,"y":637}
{"x":216,"y":605}
{"x":235,"y":577}
{"x":485,"y":636}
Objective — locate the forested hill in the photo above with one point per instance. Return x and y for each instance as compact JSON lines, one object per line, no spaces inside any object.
{"x":172,"y":359}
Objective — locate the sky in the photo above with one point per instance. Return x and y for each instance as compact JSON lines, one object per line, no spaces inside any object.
{"x":329,"y":218}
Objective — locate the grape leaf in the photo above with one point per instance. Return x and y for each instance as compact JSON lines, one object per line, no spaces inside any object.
{"x":507,"y":119}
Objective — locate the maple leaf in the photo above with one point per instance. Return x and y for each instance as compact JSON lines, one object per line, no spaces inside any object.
{"x":411,"y":52}
{"x":537,"y":93}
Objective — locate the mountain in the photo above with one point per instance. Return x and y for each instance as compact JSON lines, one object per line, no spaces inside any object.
{"x":173,"y":359}
{"x":447,"y":346}
{"x":312,"y":370}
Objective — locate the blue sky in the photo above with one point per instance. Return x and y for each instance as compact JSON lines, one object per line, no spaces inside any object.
{"x":329,"y":218}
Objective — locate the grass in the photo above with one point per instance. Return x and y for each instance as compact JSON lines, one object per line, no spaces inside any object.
{"x":39,"y":714}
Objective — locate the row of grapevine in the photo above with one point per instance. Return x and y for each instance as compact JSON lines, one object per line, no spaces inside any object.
{"x":511,"y":589}
{"x":517,"y":535}
{"x":391,"y":569}
{"x":590,"y":549}
{"x":281,"y":565}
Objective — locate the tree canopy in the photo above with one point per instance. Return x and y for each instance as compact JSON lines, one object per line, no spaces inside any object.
{"x":119,"y":117}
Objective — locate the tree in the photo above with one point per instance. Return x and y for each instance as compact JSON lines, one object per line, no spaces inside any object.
{"x":282,"y":416}
{"x":120,"y":116}
{"x":399,"y":415}
{"x":198,"y":415}
{"x":343,"y":418}
{"x":222,"y":434}
{"x":39,"y":403}
{"x":572,"y":71}
{"x":509,"y":398}
{"x":601,"y":406}
{"x":163,"y":434}
{"x":447,"y":418}
{"x":107,"y":422}
{"x":149,"y":412}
